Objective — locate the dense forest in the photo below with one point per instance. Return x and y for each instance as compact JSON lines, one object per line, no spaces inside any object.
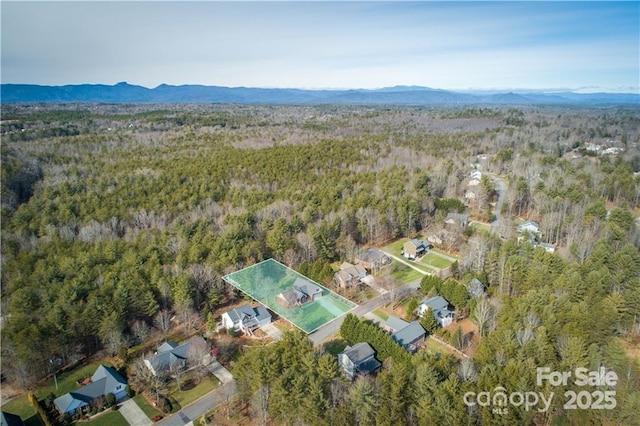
{"x":115,"y":214}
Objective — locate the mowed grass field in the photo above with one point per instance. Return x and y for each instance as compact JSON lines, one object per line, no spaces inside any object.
{"x":265,"y":280}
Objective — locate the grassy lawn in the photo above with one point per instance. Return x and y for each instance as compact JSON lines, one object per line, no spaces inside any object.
{"x":112,"y":418}
{"x":403,"y":274}
{"x":443,"y":252}
{"x":335,"y":346}
{"x":21,"y":407}
{"x":265,"y":280}
{"x":485,"y":227}
{"x":66,"y":381}
{"x":187,"y":396}
{"x":395,"y":248}
{"x":435,"y":260}
{"x":437,"y":347}
{"x":381,"y":314}
{"x":144,"y":406}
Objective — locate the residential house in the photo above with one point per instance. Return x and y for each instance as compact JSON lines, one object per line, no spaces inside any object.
{"x":407,"y":334}
{"x":302,"y":291}
{"x":105,"y":380}
{"x":410,"y":337}
{"x":8,"y":419}
{"x":350,"y":275}
{"x":457,"y":220}
{"x":394,"y":324}
{"x":246,"y":318}
{"x":550,"y":248}
{"x":529,"y":226}
{"x":372,"y":258}
{"x":476,"y":289}
{"x":358,"y":359}
{"x":171,"y":356}
{"x":414,"y":248}
{"x":439,"y":307}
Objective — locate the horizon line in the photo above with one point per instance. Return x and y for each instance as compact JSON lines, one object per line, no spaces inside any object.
{"x":579,"y":90}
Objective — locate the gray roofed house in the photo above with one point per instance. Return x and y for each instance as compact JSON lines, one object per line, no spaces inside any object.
{"x":457,"y":219}
{"x":105,"y":380}
{"x":410,"y":336}
{"x":302,"y":291}
{"x":394,"y":324}
{"x":439,"y":307}
{"x":476,"y":289}
{"x":246,"y":318}
{"x":372,"y":258}
{"x":358,"y":359}
{"x":350,"y":275}
{"x":529,"y":226}
{"x":170,"y":356}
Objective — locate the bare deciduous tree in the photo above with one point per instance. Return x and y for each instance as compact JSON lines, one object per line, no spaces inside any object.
{"x":162,"y":321}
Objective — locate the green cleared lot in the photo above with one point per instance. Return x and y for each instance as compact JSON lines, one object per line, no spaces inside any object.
{"x":434,"y":260}
{"x":265,"y":280}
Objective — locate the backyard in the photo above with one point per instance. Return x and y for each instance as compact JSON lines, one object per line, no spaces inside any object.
{"x":265,"y":280}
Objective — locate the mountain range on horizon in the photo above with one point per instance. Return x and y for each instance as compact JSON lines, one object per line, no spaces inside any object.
{"x":399,"y":95}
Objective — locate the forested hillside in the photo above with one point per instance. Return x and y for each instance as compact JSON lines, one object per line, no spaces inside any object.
{"x":114,"y":214}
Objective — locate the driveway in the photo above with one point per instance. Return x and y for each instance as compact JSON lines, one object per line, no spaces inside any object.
{"x":272,"y":331}
{"x":501,"y":188}
{"x":133,"y":414}
{"x":220,"y":372}
{"x":195,"y":410}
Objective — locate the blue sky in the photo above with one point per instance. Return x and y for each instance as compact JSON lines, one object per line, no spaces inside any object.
{"x":454,"y":45}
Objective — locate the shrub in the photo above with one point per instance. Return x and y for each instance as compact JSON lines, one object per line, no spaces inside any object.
{"x":110,"y":399}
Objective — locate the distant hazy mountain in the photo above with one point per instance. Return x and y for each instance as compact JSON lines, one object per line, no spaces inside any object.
{"x":406,"y":95}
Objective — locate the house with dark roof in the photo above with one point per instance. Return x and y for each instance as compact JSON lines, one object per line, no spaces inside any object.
{"x":171,"y":356}
{"x":358,"y":359}
{"x":439,"y":307}
{"x":246,"y":318}
{"x":105,"y":380}
{"x":372,"y":258}
{"x":349,"y":275}
{"x":301,"y":292}
{"x":410,"y":337}
{"x":414,"y":248}
{"x":8,"y":419}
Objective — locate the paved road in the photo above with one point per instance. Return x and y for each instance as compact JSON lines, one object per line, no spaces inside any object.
{"x":331,"y":328}
{"x":196,"y":409}
{"x":501,"y":188}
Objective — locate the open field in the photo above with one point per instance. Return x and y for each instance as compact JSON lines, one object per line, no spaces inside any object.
{"x":265,"y":280}
{"x":432,"y":259}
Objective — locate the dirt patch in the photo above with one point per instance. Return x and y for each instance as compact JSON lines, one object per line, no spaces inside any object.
{"x":231,"y":414}
{"x":470,"y":331}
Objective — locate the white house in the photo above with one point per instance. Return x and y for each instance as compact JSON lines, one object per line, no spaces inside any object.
{"x":439,"y":307}
{"x":246,"y":318}
{"x":529,"y":226}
